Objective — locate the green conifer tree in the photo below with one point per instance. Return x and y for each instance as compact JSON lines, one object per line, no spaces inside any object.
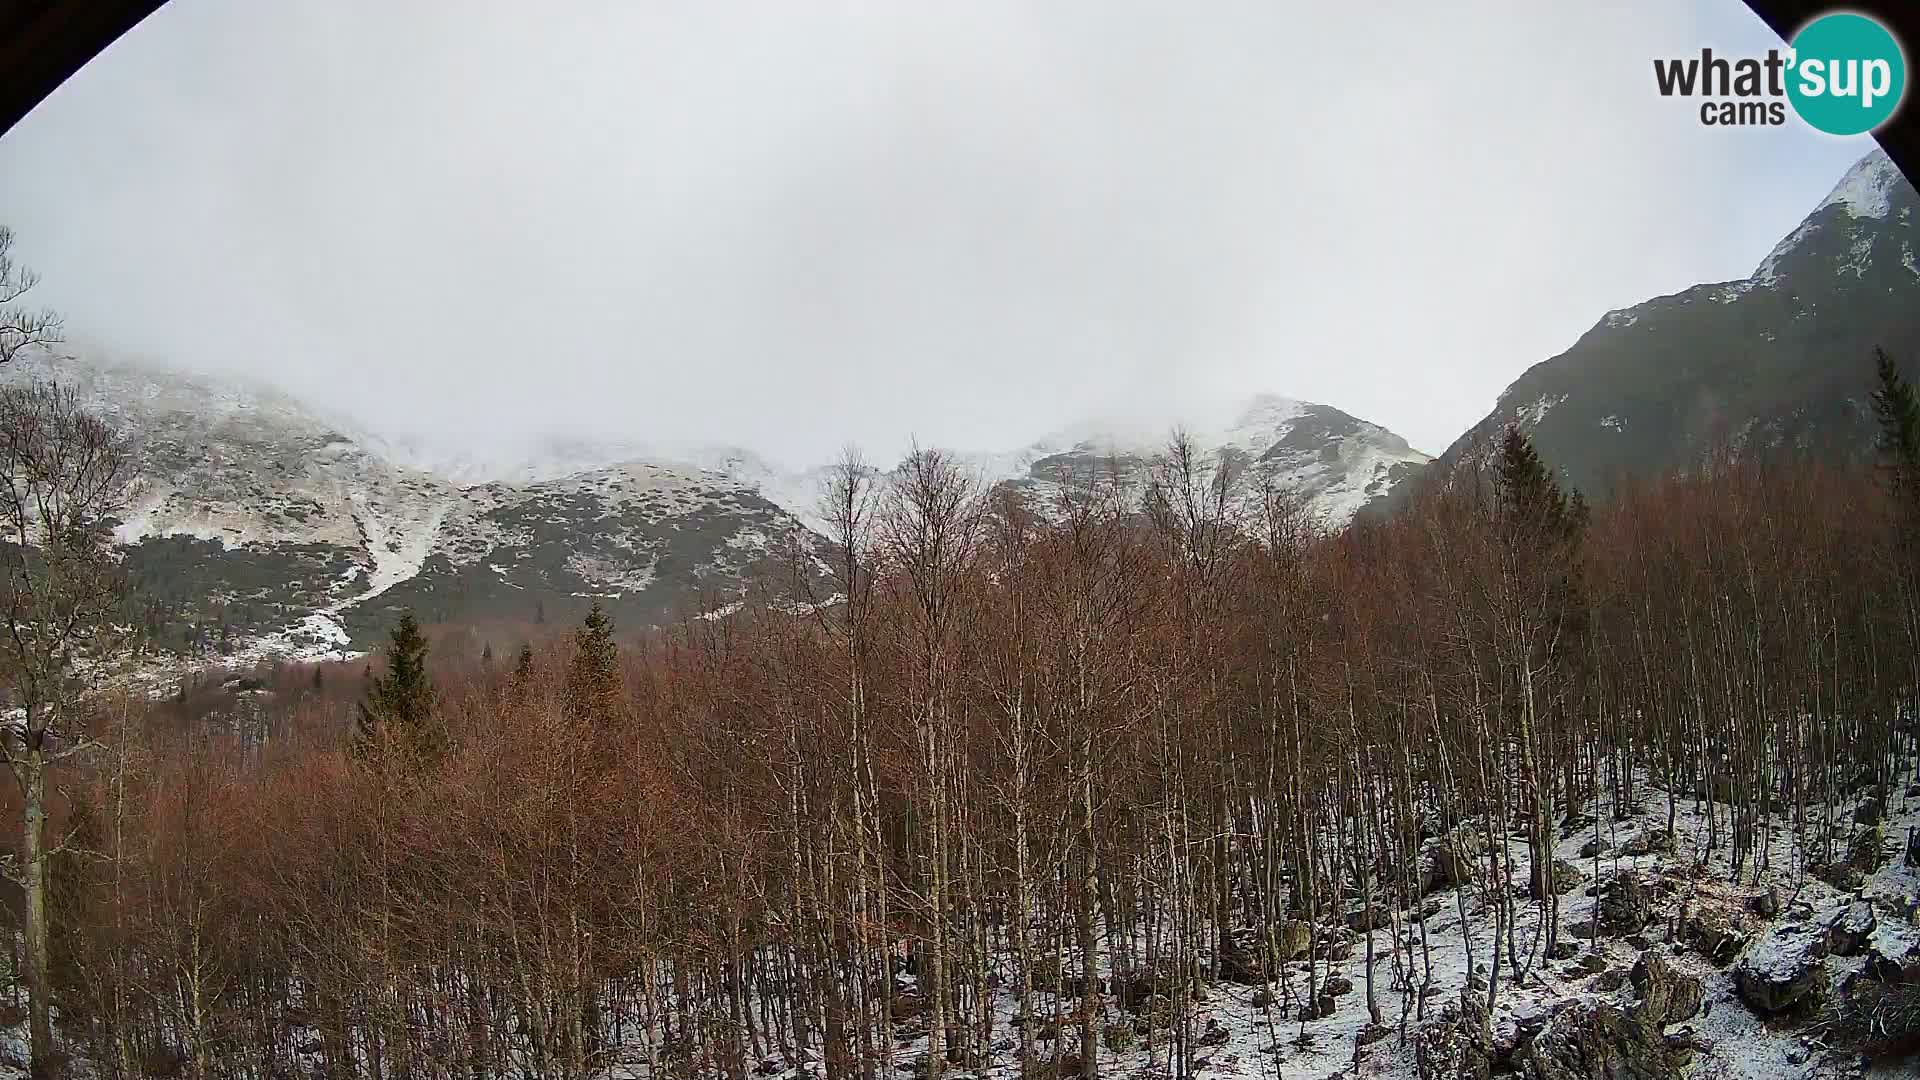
{"x":593,"y":679}
{"x":1530,"y":498}
{"x":399,"y":707}
{"x":1899,"y":416}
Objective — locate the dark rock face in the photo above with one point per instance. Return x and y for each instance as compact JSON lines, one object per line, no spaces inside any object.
{"x":1624,"y":906}
{"x":1849,"y":932}
{"x":1666,"y":995}
{"x":1713,"y":935}
{"x":1777,"y":360}
{"x":1458,"y":1044}
{"x":1598,"y":1042}
{"x":1451,"y":862}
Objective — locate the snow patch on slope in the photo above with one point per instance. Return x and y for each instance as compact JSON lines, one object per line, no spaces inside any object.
{"x":1530,"y":415}
{"x":399,"y":545}
{"x":1866,"y":190}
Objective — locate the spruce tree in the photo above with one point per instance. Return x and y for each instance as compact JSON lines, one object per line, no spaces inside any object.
{"x":523,"y":667}
{"x":593,"y":680}
{"x":398,"y":710}
{"x":1530,"y":498}
{"x":1899,"y":416}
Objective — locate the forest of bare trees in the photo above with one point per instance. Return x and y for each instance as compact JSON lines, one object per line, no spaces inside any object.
{"x":1162,"y":741}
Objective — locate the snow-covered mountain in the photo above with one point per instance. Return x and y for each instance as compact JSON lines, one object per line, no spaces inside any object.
{"x":257,"y":524}
{"x":1331,"y":462}
{"x":1780,"y":359}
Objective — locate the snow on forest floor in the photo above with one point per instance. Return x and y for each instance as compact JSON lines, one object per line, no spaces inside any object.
{"x":1732,"y":1042}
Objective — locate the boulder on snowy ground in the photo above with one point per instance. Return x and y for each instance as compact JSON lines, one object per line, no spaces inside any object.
{"x":1293,"y":939}
{"x":1367,"y":919}
{"x":1714,"y":933}
{"x":1450,"y":863}
{"x":1783,"y":972}
{"x":1666,"y":996}
{"x":1651,"y":842}
{"x":1851,"y":929}
{"x":1867,"y":849}
{"x":1598,"y":1042}
{"x":1458,"y":1044}
{"x":1566,"y":876}
{"x":1624,"y":905}
{"x":1242,"y":963}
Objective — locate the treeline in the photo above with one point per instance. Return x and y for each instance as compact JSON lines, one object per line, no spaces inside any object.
{"x":1165,"y":740}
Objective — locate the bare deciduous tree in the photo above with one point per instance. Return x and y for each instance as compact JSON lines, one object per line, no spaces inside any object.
{"x":21,"y":327}
{"x":64,"y":473}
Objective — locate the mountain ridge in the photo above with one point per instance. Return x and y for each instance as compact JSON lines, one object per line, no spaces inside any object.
{"x":258,"y":526}
{"x":1777,"y":361}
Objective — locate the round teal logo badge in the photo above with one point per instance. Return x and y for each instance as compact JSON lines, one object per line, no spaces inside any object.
{"x":1848,"y":74}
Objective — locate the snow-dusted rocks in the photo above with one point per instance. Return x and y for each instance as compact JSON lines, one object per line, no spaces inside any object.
{"x":1784,"y":971}
{"x":1667,"y":996}
{"x":1866,"y":189}
{"x":1331,"y":462}
{"x":1587,"y":1041}
{"x":1458,"y":1044}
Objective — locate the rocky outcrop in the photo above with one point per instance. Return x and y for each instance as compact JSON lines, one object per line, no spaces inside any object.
{"x":1851,"y":929}
{"x":1713,"y":933}
{"x":1624,"y":905}
{"x":1450,"y":861}
{"x":1784,"y":972}
{"x":1667,"y":996}
{"x":1598,"y":1042}
{"x":1458,"y":1044}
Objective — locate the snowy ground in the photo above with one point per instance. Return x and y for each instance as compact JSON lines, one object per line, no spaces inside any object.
{"x":1253,"y":1039}
{"x":1733,"y":1043}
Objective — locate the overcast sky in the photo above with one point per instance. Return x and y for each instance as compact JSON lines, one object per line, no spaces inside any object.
{"x":788,"y":225}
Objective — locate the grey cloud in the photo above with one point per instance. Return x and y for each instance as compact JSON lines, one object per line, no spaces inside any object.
{"x":791,"y":225}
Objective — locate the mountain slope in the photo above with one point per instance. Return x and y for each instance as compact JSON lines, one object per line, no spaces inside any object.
{"x":1331,"y":461}
{"x":255,"y":525}
{"x":1779,"y":360}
